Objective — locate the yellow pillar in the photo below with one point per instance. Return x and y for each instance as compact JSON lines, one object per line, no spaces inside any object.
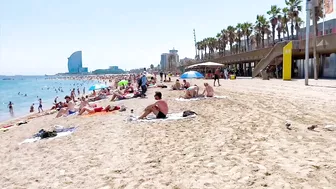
{"x":287,"y":62}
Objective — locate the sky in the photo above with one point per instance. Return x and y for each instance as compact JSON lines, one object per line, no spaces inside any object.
{"x":37,"y":36}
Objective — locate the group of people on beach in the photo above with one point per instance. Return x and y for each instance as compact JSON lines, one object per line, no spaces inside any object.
{"x":136,"y":86}
{"x":192,"y":91}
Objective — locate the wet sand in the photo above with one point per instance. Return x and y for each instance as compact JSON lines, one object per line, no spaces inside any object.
{"x":237,"y":142}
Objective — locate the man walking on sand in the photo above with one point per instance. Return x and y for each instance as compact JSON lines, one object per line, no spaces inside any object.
{"x":217,"y":75}
{"x":143,"y":85}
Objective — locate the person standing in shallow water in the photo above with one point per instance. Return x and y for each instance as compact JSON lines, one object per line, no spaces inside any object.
{"x":10,"y":107}
{"x":40,"y":109}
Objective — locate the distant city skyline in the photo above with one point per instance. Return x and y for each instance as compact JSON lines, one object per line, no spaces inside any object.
{"x":36,"y":36}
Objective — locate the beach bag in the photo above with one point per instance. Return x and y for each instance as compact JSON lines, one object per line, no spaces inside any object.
{"x":47,"y":134}
{"x":188,"y":113}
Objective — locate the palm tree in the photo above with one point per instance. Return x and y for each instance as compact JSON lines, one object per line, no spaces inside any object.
{"x":247,"y":31}
{"x":274,"y":13}
{"x":294,"y":8}
{"x":238,"y":36}
{"x":212,"y":44}
{"x":224,"y":40}
{"x":284,"y":22}
{"x":231,"y":36}
{"x":261,"y":26}
{"x":298,"y":22}
{"x":205,"y":46}
{"x":199,"y":49}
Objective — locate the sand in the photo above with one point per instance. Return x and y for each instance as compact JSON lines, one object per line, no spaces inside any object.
{"x":237,"y":142}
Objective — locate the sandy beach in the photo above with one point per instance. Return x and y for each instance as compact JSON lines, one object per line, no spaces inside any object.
{"x":236,"y":142}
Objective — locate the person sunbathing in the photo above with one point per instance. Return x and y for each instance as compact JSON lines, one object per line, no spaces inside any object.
{"x":99,"y":97}
{"x":177,"y":85}
{"x":159,"y":108}
{"x":70,"y":109}
{"x":83,"y":103}
{"x":92,"y":110}
{"x":191,"y":92}
{"x":186,"y":84}
{"x":208,"y":91}
{"x":128,"y":93}
{"x":129,"y":89}
{"x":93,"y":93}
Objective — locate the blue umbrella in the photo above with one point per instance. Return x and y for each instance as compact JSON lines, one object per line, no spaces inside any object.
{"x":97,"y":86}
{"x":191,"y":74}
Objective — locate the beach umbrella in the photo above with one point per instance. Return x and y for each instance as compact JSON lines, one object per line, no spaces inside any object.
{"x":191,"y":74}
{"x":97,"y":86}
{"x":123,"y":83}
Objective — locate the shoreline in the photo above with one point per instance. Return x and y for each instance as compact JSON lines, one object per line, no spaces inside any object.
{"x":47,"y":102}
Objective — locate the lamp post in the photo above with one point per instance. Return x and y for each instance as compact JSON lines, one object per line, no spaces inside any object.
{"x":308,"y":8}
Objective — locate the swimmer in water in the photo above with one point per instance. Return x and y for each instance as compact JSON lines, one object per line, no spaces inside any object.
{"x":10,"y":107}
{"x":31,"y":108}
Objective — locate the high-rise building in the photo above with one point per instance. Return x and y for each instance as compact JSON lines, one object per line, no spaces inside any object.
{"x":75,"y":63}
{"x":169,"y":59}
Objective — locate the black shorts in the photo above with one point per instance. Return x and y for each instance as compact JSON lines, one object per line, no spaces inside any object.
{"x":216,"y":77}
{"x":161,"y":115}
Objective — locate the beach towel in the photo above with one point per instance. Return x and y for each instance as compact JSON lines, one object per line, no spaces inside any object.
{"x":199,"y":98}
{"x":170,"y":117}
{"x":60,"y":133}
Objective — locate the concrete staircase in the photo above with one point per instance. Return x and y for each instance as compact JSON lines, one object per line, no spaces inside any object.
{"x":276,"y":51}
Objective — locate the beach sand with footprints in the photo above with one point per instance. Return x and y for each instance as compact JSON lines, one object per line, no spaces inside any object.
{"x":241,"y":141}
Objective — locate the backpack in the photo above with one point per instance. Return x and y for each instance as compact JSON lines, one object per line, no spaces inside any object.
{"x":188,"y":113}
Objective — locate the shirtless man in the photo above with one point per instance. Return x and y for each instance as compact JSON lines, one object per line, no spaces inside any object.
{"x":177,"y":85}
{"x":159,"y":108}
{"x":186,"y":84}
{"x":191,"y":92}
{"x":70,"y":109}
{"x":208,"y":90}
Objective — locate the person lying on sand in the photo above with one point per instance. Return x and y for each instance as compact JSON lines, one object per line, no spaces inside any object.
{"x":70,"y":109}
{"x":208,"y":91}
{"x":186,"y":84}
{"x":83,"y":103}
{"x":191,"y":92}
{"x":159,"y":108}
{"x":128,"y":93}
{"x":93,"y":93}
{"x":91,"y":110}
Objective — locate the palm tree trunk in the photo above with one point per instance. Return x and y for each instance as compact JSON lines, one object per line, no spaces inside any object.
{"x":287,"y":30}
{"x":292,"y":29}
{"x":273,"y":34}
{"x":263,"y":39}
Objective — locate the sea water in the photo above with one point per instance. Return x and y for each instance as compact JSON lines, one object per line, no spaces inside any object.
{"x":23,"y":91}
